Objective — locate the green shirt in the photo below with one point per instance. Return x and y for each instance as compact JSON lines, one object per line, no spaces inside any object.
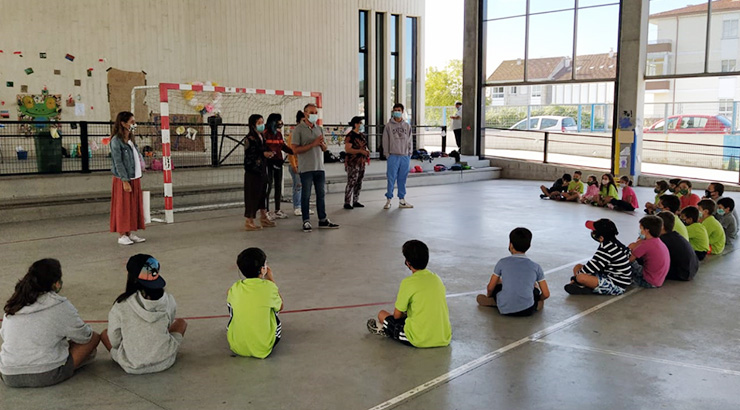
{"x":576,"y":186}
{"x":253,"y":304}
{"x":679,"y":227}
{"x":423,"y":297}
{"x":698,"y":237}
{"x":611,"y":191}
{"x":716,"y":234}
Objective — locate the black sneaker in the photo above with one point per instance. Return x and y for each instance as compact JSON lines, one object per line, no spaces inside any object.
{"x":358,"y":205}
{"x":576,"y":289}
{"x":307,"y":226}
{"x":347,"y":206}
{"x":372,"y":327}
{"x":327,"y":224}
{"x":543,"y":196}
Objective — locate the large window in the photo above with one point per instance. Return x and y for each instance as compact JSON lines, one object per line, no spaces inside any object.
{"x":363,"y":60}
{"x":380,"y":113}
{"x":410,"y":56}
{"x":394,"y":62}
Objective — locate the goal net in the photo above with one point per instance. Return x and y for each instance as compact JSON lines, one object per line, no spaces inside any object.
{"x":193,"y":134}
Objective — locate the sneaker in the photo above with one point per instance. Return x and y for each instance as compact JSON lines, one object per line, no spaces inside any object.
{"x":372,"y":327}
{"x":358,"y":205}
{"x":576,"y":289}
{"x":125,"y":240}
{"x":136,"y":239}
{"x":403,"y":204}
{"x":387,"y":204}
{"x":610,"y":206}
{"x":543,"y":196}
{"x":327,"y":224}
{"x":307,"y":226}
{"x":279,"y":214}
{"x":297,"y":212}
{"x":310,"y":212}
{"x":348,"y":206}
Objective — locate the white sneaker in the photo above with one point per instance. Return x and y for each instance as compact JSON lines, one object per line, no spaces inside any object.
{"x":387,"y":204}
{"x":125,"y":240}
{"x":297,"y":212}
{"x":280,"y":214}
{"x":136,"y":239}
{"x":403,"y":204}
{"x":310,"y":212}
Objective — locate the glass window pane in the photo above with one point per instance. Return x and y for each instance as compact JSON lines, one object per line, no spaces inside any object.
{"x":505,"y":50}
{"x":550,"y":51}
{"x":505,"y":8}
{"x":362,"y":73}
{"x":538,"y":6}
{"x":597,"y":54}
{"x":363,"y":28}
{"x":677,"y":37}
{"x":589,"y":3}
{"x":723,"y":41}
{"x":394,"y":33}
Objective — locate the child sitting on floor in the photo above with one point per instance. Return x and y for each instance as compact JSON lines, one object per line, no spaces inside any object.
{"x":698,"y":236}
{"x":712,"y":225}
{"x":575,"y":189}
{"x":660,"y":189}
{"x":725,"y":209}
{"x":684,"y":263}
{"x":592,"y":192}
{"x":558,"y":187}
{"x":517,"y":286}
{"x":608,"y":191}
{"x":420,"y":317}
{"x":650,"y":257}
{"x":629,"y":198}
{"x":672,"y":204}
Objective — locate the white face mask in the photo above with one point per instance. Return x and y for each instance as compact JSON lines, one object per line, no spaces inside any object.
{"x":132,"y":128}
{"x":604,"y":181}
{"x":312,"y":118}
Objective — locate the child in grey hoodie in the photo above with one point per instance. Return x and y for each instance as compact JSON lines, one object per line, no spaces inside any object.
{"x":143,"y":334}
{"x":44,"y":339}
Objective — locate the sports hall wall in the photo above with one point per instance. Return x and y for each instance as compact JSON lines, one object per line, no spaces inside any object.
{"x":273,"y":44}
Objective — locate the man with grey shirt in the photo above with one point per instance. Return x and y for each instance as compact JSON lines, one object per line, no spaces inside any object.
{"x":308,"y":144}
{"x":398,"y":143}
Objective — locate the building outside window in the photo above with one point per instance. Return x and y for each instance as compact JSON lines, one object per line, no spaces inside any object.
{"x":536,"y":91}
{"x":729,"y":65}
{"x":729,"y":29}
{"x":725,"y":107}
{"x":497,"y":92}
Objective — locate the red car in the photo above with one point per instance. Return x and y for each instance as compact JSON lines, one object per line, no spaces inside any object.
{"x":692,"y":124}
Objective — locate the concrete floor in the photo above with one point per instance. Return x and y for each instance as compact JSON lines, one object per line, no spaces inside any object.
{"x":673,"y":348}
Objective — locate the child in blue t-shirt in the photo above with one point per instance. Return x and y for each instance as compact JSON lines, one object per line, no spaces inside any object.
{"x":517,"y":286}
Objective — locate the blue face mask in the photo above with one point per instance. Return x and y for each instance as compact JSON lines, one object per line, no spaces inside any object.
{"x":657,"y":211}
{"x":720,"y":211}
{"x":642,"y":237}
{"x":313,"y":118}
{"x":397,"y":114}
{"x":362,"y":128}
{"x":261,"y":128}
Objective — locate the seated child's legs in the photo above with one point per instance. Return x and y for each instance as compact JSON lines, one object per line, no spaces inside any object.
{"x":178,"y":326}
{"x":701,"y":255}
{"x":105,"y":340}
{"x":571,"y":197}
{"x":393,"y":328}
{"x":81,"y":353}
{"x":485,"y":300}
{"x":278,"y":331}
{"x":637,"y":276}
{"x":586,"y":280}
{"x":545,"y":190}
{"x":607,"y":287}
{"x":532,"y":309}
{"x":556,"y":195}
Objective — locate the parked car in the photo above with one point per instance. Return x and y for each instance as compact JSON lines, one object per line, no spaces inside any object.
{"x":547,"y":123}
{"x":691,"y":124}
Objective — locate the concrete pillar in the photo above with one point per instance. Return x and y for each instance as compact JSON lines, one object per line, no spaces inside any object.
{"x":630,"y":88}
{"x":473,"y":75}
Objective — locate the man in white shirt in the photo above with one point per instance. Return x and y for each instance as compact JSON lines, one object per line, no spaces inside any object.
{"x":457,"y":124}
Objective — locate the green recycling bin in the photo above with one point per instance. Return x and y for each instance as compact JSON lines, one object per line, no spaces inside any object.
{"x":48,"y":153}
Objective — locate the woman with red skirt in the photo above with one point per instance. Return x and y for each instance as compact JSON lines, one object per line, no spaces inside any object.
{"x":126,"y":205}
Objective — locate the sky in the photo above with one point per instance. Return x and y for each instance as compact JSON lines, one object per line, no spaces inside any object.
{"x":551,"y":35}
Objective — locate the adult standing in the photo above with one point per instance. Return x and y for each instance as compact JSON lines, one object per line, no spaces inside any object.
{"x":355,"y":146}
{"x":397,"y":141}
{"x":293,"y":170}
{"x":126,"y":204}
{"x":256,"y":154}
{"x":308,"y":143}
{"x":457,"y":124}
{"x":276,"y":144}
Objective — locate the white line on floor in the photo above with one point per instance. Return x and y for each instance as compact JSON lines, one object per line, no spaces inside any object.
{"x":474,"y":364}
{"x":547,"y":272}
{"x":639,"y":357}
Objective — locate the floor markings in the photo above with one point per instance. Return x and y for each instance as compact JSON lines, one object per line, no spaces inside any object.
{"x":474,"y":364}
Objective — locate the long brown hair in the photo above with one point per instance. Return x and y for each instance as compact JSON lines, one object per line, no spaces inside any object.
{"x":41,"y":277}
{"x":122,"y":117}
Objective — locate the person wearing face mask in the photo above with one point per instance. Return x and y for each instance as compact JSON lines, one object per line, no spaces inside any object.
{"x":609,"y":272}
{"x":574,"y":189}
{"x":592,"y":192}
{"x":355,"y":146}
{"x":660,"y":189}
{"x":308,"y":143}
{"x":256,"y":154}
{"x":44,"y":338}
{"x":398,"y":144}
{"x":275,"y":143}
{"x":726,"y":213}
{"x":127,"y":203}
{"x":687,"y":198}
{"x":608,"y":190}
{"x":650,"y":257}
{"x":629,"y":198}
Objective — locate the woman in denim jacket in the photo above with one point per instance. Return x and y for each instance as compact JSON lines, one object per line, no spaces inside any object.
{"x":126,"y":207}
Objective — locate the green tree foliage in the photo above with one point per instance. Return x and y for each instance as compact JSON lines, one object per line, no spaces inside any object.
{"x":444,"y":86}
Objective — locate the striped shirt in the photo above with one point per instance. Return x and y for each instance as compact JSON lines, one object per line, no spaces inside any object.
{"x":611,"y":260}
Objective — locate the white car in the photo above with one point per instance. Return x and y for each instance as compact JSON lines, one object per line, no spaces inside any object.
{"x":547,"y":123}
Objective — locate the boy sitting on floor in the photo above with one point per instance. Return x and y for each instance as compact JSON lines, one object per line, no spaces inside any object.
{"x":517,"y":286}
{"x":672,"y":204}
{"x":726,"y":212}
{"x":684,"y":263}
{"x":420,"y":317}
{"x":609,"y":272}
{"x":558,"y":187}
{"x":698,"y":236}
{"x":575,"y":189}
{"x":712,"y":225}
{"x":650,"y":258}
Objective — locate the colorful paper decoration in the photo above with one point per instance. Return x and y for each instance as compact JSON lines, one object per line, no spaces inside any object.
{"x":28,"y":71}
{"x":89,"y":72}
{"x":4,"y":114}
{"x":24,"y":88}
{"x":57,"y":72}
{"x":78,"y":83}
{"x":70,"y":57}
